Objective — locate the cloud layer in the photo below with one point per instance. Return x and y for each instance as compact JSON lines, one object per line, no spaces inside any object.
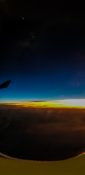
{"x":41,"y":134}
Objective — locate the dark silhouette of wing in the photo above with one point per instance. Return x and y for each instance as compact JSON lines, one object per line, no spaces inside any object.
{"x":5,"y":84}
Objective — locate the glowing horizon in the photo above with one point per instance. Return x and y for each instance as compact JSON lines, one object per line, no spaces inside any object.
{"x":65,"y":103}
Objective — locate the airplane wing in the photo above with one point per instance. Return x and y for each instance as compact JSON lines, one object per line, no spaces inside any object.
{"x":5,"y":84}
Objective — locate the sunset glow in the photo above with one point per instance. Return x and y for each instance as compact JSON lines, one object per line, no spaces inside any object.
{"x":66,"y":103}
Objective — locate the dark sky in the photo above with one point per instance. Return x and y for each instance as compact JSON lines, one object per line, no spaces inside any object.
{"x":42,"y":50}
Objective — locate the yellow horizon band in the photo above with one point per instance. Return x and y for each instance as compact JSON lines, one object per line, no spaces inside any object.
{"x":65,"y":103}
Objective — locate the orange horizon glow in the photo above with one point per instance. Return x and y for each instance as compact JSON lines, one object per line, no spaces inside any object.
{"x":65,"y":103}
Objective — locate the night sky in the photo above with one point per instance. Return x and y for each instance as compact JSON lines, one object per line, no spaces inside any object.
{"x":42,"y":51}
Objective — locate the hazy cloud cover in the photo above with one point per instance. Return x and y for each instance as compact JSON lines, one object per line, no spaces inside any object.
{"x":42,"y":134}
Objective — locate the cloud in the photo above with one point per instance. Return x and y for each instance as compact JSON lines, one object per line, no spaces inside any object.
{"x":41,"y":134}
